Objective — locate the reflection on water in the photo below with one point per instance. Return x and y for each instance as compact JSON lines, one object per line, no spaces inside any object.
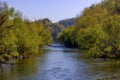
{"x":106,"y":70}
{"x":60,"y":63}
{"x":18,"y":71}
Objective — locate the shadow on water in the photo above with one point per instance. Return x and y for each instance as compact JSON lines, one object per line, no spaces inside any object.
{"x":59,"y":63}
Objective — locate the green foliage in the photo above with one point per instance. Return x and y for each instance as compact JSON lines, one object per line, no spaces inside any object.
{"x":67,"y":37}
{"x":15,"y":53}
{"x":54,"y":28}
{"x":97,"y":30}
{"x":18,"y":36}
{"x":112,"y":30}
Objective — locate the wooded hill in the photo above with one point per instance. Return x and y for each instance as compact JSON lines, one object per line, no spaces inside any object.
{"x":97,"y":30}
{"x":56,"y":28}
{"x":19,"y":36}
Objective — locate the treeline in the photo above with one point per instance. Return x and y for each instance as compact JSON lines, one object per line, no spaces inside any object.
{"x":67,"y":22}
{"x":97,"y":30}
{"x":54,"y":28}
{"x":19,"y":36}
{"x":57,"y":27}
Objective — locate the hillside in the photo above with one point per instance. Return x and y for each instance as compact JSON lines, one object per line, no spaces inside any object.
{"x":97,"y":30}
{"x":67,"y":22}
{"x":56,"y":28}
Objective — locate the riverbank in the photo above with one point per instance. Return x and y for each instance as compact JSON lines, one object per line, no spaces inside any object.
{"x":61,"y":63}
{"x":9,"y":59}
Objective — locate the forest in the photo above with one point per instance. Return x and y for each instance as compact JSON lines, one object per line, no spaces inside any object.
{"x":84,"y":47}
{"x":96,"y":30}
{"x":19,"y":37}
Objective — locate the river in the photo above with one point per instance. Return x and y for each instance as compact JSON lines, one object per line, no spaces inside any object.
{"x":59,"y":63}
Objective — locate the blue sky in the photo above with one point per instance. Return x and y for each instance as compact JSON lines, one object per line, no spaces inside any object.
{"x":55,"y":10}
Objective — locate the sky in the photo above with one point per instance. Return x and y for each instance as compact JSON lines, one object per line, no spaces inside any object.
{"x":55,"y":10}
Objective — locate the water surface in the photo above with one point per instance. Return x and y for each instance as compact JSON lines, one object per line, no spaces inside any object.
{"x":59,"y":63}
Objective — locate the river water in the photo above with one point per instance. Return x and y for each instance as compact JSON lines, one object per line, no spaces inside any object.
{"x":59,"y":63}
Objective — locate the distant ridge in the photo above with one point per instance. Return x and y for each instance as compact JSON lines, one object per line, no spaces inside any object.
{"x":67,"y":22}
